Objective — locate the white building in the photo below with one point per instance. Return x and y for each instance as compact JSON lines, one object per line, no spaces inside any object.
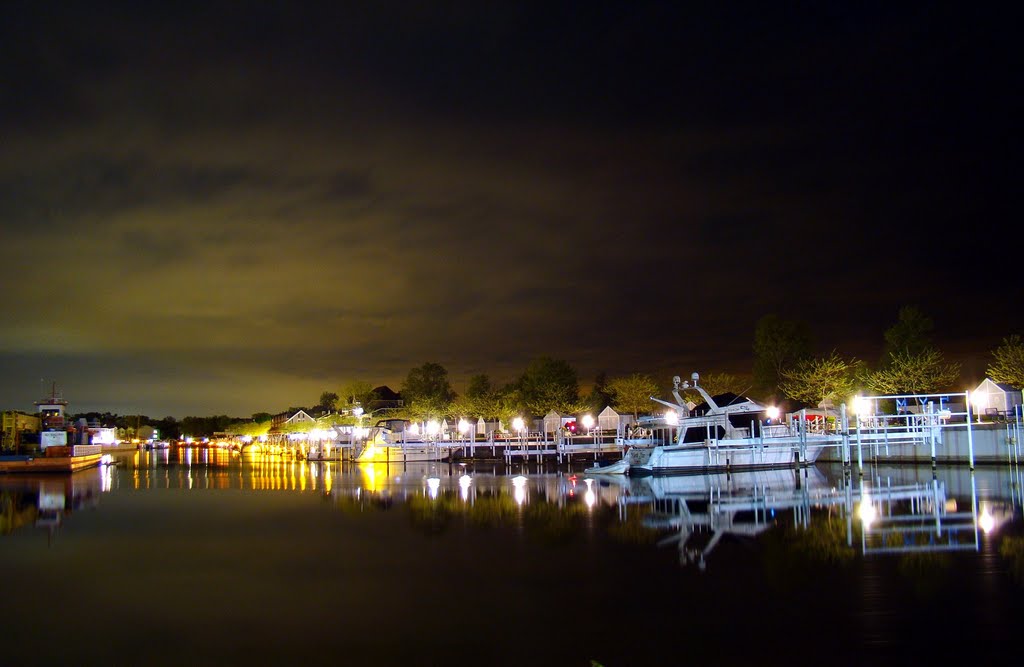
{"x":995,"y":399}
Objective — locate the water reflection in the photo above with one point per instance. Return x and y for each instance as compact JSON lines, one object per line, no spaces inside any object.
{"x":46,"y":501}
{"x":824,"y":514}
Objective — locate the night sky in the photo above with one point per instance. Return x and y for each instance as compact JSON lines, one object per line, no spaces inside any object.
{"x":219,"y":208}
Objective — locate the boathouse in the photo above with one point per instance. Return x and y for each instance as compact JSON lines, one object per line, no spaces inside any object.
{"x":995,"y":399}
{"x":554,"y":421}
{"x":611,"y":421}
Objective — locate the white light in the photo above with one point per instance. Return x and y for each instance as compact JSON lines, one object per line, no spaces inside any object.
{"x":671,"y":417}
{"x":860,"y":405}
{"x":588,"y":422}
{"x":433,"y":484}
{"x":463,"y":426}
{"x":518,"y":424}
{"x":772,"y":412}
{"x":520,"y":489}
{"x":867,"y":512}
{"x":464,"y":483}
{"x":589,"y":497}
{"x":986,"y":521}
{"x":414,"y":428}
{"x":357,"y":411}
{"x":432,"y":427}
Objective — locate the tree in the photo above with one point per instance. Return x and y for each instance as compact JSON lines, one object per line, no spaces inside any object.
{"x":818,"y":381}
{"x":778,"y":345}
{"x":260,"y":417}
{"x":921,"y":373}
{"x":718,"y":383}
{"x":633,"y":393}
{"x":329,"y":400}
{"x":549,"y":384}
{"x":428,"y":384}
{"x":479,"y":387}
{"x":1008,"y":362}
{"x":357,"y":392}
{"x":908,"y":336}
{"x":600,"y":396}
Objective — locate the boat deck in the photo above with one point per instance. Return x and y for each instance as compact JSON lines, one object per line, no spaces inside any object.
{"x":48,"y":464}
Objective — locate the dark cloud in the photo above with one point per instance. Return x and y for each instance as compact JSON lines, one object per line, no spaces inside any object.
{"x":206,"y":207}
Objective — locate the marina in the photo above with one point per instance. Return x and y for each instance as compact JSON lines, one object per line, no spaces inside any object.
{"x":465,"y":557}
{"x":745,"y":435}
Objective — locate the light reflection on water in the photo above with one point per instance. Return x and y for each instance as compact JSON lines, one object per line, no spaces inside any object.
{"x":524,"y":547}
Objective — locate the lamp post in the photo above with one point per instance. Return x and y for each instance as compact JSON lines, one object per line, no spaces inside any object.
{"x":519,"y":425}
{"x":464,"y":430}
{"x":588,"y":423}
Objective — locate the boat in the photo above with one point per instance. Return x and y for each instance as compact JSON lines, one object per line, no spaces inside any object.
{"x":724,"y":433}
{"x":400,"y":440}
{"x":56,"y":455}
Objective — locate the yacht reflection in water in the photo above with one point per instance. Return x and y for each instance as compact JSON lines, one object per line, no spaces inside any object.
{"x":46,"y":501}
{"x":880,"y":514}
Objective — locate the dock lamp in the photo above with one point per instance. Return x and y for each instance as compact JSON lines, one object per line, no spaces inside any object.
{"x":519,"y":425}
{"x":588,"y":423}
{"x":464,"y":428}
{"x":978,"y":401}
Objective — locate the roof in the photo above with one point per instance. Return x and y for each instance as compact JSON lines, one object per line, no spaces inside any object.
{"x":1001,"y":385}
{"x":385,"y":393}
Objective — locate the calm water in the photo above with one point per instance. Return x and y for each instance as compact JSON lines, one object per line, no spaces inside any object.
{"x":190,"y":557}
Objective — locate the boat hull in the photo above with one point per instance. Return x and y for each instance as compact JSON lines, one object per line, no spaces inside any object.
{"x":723,"y":456}
{"x":680,"y":459}
{"x":401,"y":454}
{"x":49,"y":464}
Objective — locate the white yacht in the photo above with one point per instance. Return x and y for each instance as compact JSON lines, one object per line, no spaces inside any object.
{"x":730,"y":433}
{"x":400,"y":440}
